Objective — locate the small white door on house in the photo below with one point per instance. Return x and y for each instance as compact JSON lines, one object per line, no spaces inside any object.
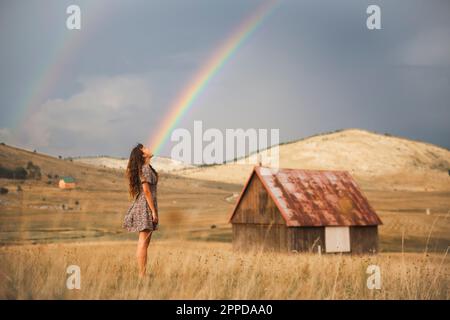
{"x":337,"y":239}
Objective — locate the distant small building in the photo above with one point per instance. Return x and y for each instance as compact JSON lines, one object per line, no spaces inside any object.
{"x":304,"y":210}
{"x":67,"y":183}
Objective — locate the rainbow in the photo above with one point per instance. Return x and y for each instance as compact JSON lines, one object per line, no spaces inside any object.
{"x":67,"y":45}
{"x":186,"y":99}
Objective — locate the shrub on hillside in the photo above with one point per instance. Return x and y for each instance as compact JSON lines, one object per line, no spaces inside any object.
{"x":17,"y":173}
{"x":441,"y":165}
{"x":34,"y":171}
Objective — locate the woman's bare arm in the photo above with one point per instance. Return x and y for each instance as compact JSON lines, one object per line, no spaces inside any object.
{"x":148,"y":197}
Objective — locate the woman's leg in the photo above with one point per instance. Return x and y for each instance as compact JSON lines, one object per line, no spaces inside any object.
{"x":141,"y":254}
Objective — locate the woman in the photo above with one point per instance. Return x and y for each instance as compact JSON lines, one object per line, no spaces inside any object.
{"x":142,"y":215}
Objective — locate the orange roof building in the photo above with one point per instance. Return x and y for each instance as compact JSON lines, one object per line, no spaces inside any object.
{"x":67,"y":183}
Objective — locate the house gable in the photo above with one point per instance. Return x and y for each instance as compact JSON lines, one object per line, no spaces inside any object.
{"x":255,"y":205}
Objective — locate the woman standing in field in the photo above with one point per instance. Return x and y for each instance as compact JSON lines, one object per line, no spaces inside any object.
{"x":142,"y":215}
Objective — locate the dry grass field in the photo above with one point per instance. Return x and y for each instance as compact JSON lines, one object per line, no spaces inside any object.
{"x":43,"y":229}
{"x":198,"y":270}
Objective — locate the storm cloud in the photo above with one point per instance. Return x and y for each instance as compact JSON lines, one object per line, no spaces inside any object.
{"x":312,"y":66}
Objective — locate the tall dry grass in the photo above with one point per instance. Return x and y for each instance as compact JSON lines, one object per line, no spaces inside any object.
{"x":195,"y":270}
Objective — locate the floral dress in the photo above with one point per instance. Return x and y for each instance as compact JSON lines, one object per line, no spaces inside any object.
{"x":139,"y":214}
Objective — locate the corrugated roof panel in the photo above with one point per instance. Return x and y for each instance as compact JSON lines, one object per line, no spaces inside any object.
{"x":317,"y":198}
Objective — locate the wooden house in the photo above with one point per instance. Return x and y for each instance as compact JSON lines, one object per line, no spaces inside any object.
{"x":304,"y":210}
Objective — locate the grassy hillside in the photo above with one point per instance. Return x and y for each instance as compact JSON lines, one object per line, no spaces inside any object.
{"x":191,"y":209}
{"x":42,"y":212}
{"x":375,"y":160}
{"x":44,"y":229}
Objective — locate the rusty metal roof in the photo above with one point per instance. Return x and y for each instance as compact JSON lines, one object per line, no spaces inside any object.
{"x":315,"y":197}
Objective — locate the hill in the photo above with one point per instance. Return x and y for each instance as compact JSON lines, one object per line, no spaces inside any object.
{"x":414,"y":218}
{"x":41,"y":212}
{"x":374,"y":159}
{"x":163,"y":164}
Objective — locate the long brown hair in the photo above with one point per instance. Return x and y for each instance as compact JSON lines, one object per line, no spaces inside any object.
{"x":134,"y":170}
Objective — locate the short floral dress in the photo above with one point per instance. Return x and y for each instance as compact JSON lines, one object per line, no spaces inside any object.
{"x":139,"y":214}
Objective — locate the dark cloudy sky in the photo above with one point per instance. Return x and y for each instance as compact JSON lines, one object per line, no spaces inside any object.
{"x":312,"y":66}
